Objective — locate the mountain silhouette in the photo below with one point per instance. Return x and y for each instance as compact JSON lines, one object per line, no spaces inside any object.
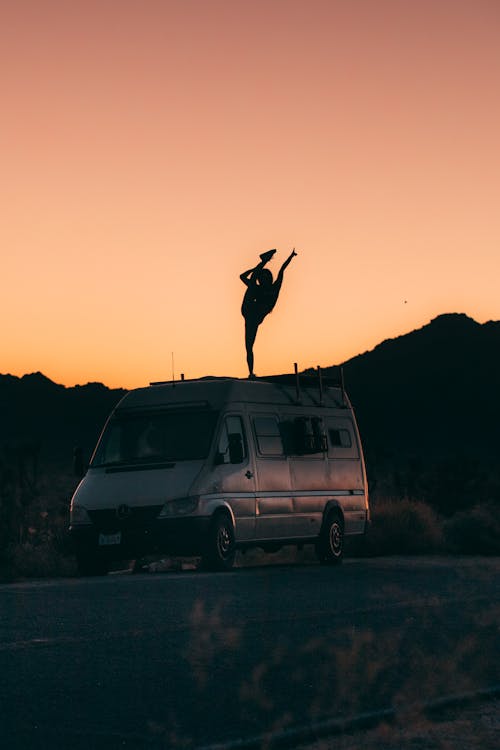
{"x":41,"y":416}
{"x":432,"y":392}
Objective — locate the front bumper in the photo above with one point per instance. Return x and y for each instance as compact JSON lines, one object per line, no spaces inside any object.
{"x":132,"y":537}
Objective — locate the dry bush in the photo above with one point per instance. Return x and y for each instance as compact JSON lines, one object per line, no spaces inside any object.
{"x":403,"y":527}
{"x":40,"y":561}
{"x":474,"y":532}
{"x":38,"y":544}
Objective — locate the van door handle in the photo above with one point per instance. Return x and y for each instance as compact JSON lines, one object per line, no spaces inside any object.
{"x":248,"y":474}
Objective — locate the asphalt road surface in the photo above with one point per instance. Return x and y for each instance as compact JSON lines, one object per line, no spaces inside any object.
{"x":190,"y":659}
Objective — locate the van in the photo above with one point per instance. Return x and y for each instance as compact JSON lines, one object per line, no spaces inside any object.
{"x":206,"y":467}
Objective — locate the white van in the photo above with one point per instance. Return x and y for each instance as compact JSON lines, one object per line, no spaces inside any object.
{"x":206,"y":467}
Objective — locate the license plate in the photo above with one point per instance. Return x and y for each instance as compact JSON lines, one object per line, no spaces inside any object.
{"x":108,"y":539}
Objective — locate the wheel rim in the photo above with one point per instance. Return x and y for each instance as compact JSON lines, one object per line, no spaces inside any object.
{"x":224,"y":541}
{"x":335,"y":539}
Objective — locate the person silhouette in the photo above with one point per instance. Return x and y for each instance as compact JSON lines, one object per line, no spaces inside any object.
{"x":260,"y":298}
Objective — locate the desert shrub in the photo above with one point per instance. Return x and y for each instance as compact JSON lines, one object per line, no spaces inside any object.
{"x":474,"y":532}
{"x":403,"y":527}
{"x":34,"y":538}
{"x":39,"y":561}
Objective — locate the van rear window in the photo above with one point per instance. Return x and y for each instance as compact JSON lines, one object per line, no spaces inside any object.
{"x":340,"y":438}
{"x":342,"y":441}
{"x":155,"y":437}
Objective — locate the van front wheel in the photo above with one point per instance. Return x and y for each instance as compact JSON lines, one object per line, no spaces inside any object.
{"x":220,"y":547}
{"x":330,"y":545}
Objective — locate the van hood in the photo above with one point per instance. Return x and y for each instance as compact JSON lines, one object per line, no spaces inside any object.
{"x":138,"y":487}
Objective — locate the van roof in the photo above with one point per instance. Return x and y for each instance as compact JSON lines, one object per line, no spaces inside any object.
{"x":214,"y":392}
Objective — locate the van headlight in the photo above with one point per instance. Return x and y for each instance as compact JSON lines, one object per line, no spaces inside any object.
{"x":78,"y":515}
{"x":179,"y":507}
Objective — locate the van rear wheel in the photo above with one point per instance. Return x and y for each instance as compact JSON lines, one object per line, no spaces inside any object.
{"x":220,"y":549}
{"x":330,"y":545}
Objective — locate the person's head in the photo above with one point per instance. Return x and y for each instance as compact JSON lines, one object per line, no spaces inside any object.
{"x":265,"y":277}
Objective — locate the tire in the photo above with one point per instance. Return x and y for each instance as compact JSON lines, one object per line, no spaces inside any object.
{"x":330,"y":545}
{"x":91,"y":563}
{"x":220,"y":549}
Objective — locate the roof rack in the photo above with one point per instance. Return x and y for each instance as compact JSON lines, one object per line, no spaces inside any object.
{"x":308,"y":379}
{"x":311,"y":379}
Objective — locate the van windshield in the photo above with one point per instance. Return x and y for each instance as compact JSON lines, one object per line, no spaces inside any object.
{"x":157,"y":437}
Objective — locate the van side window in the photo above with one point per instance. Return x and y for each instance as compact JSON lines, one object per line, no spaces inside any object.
{"x":232,"y":447}
{"x":341,"y":438}
{"x":268,"y":435}
{"x":303,"y":436}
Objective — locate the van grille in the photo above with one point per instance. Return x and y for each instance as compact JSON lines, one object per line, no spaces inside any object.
{"x":124,"y":517}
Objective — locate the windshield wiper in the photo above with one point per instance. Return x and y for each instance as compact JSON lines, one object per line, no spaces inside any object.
{"x":114,"y":468}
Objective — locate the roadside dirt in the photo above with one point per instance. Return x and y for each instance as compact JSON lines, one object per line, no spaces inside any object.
{"x":473,"y":728}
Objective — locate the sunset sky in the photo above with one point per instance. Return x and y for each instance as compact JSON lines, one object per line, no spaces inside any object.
{"x":151,"y":149}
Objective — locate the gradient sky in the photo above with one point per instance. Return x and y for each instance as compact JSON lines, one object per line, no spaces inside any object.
{"x":151,"y":149}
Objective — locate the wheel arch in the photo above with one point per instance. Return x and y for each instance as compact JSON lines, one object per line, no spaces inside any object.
{"x":333,"y":507}
{"x":218,"y":507}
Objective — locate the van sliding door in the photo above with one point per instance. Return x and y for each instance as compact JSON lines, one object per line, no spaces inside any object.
{"x":274,"y":507}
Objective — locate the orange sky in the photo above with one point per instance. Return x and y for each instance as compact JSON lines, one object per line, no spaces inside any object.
{"x":151,"y":149}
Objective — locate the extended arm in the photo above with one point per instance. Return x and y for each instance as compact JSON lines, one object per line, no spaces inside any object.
{"x":279,"y":278}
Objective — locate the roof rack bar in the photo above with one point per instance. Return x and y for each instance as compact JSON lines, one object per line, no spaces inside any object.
{"x":342,"y":386}
{"x":320,"y":384}
{"x":297,"y":382}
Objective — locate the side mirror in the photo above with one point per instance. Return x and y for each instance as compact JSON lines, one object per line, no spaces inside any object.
{"x":219,"y":458}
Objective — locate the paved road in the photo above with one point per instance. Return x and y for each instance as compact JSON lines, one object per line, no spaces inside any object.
{"x":190,"y":659}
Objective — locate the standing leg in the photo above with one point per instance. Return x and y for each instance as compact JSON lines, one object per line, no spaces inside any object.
{"x":251,"y":326}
